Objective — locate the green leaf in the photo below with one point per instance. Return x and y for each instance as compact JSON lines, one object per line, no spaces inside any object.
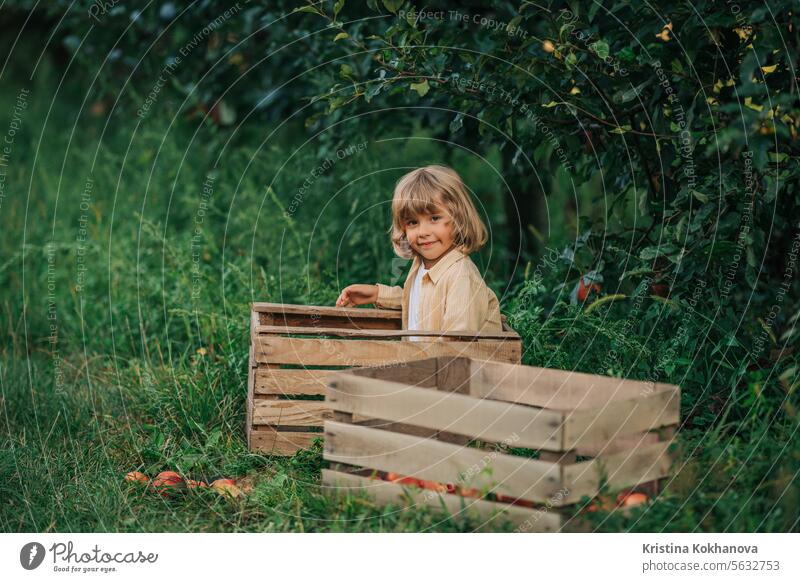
{"x":571,"y":60}
{"x":649,"y":253}
{"x":337,"y":8}
{"x":700,"y":196}
{"x":310,"y":9}
{"x":592,"y":11}
{"x":631,"y":93}
{"x":601,"y":48}
{"x":421,"y":88}
{"x":340,"y":36}
{"x":393,"y":5}
{"x":626,"y":55}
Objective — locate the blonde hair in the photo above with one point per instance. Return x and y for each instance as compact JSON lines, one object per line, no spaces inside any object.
{"x":420,"y":192}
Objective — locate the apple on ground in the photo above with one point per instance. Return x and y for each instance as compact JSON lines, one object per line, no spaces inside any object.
{"x":226,"y":487}
{"x":168,"y":482}
{"x":137,"y":477}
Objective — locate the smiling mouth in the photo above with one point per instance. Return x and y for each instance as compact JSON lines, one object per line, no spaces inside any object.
{"x":427,"y":244}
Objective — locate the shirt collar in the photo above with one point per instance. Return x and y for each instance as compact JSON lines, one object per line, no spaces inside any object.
{"x":439,"y":268}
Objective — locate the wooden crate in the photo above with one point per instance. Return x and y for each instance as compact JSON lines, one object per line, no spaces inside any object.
{"x":585,"y":428}
{"x":293,"y":348}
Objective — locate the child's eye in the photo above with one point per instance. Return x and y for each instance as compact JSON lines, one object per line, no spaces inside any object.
{"x":411,"y":223}
{"x":435,"y":218}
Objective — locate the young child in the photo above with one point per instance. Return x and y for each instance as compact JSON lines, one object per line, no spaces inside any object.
{"x":435,"y":223}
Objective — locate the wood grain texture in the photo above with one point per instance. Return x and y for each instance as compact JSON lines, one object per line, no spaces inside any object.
{"x":617,"y":418}
{"x":453,"y":375}
{"x":382,"y":333}
{"x":487,"y":420}
{"x":622,"y":443}
{"x":328,"y":321}
{"x":248,"y":422}
{"x":420,"y":373}
{"x":486,"y":513}
{"x":321,"y":310}
{"x":435,"y":460}
{"x":251,"y":365}
{"x":623,"y":469}
{"x":332,"y":352}
{"x":269,"y":441}
{"x":291,"y":382}
{"x":554,"y":389}
{"x":290,"y":412}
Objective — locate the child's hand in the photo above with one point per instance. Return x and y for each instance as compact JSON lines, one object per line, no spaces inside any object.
{"x":357,"y":295}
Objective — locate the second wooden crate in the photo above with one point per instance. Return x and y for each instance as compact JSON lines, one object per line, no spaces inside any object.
{"x":293,"y":348}
{"x":540,"y":439}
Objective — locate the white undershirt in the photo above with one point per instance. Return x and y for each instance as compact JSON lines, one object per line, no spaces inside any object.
{"x":413,"y":301}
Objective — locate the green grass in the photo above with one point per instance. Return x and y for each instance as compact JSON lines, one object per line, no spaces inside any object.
{"x":123,"y":387}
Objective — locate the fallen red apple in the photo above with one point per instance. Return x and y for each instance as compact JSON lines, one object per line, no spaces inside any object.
{"x":137,"y":477}
{"x":168,"y":482}
{"x":600,"y":504}
{"x":226,"y":487}
{"x":632,"y":499}
{"x":169,"y":476}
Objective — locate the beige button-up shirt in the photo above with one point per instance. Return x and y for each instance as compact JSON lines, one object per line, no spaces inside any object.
{"x":454,"y":297}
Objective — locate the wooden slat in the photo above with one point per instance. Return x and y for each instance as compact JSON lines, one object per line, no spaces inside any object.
{"x":251,"y":363}
{"x":313,"y":382}
{"x":327,"y":321}
{"x":424,"y":458}
{"x":393,"y":426}
{"x":254,"y":324}
{"x":620,"y":417}
{"x":383,"y":333}
{"x":621,"y":443}
{"x":331,"y":352}
{"x":291,"y":382}
{"x":248,"y":423}
{"x":290,"y":412}
{"x":452,"y":375}
{"x":623,"y":469}
{"x":303,"y":316}
{"x":272,"y":442}
{"x":414,"y":373}
{"x":486,"y":512}
{"x":487,"y":420}
{"x":554,"y":389}
{"x":323,"y":310}
{"x":561,"y":458}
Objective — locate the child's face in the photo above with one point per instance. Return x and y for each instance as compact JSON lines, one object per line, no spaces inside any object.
{"x":430,"y":235}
